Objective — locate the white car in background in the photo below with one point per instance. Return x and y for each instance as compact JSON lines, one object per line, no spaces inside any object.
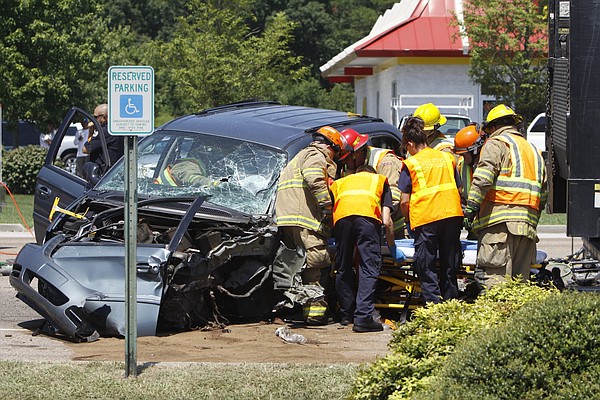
{"x":67,"y":151}
{"x":536,"y":132}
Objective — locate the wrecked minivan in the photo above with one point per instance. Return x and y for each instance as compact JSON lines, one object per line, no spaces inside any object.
{"x":208,"y":251}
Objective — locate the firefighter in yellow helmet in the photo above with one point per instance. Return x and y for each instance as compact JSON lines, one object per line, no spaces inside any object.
{"x":303,"y":210}
{"x":506,"y":198}
{"x":432,"y":120}
{"x":385,"y":162}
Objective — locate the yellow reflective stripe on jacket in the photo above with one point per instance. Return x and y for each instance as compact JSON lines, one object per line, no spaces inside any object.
{"x":507,"y":215}
{"x":314,"y":172}
{"x":522,"y":183}
{"x":395,"y":193}
{"x":292,"y":183}
{"x":399,"y":224}
{"x":165,"y":177}
{"x":298,"y":220}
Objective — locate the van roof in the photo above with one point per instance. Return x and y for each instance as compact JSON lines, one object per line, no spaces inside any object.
{"x":273,"y":123}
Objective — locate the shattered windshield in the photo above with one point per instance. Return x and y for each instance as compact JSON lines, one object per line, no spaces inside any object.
{"x":234,"y":173}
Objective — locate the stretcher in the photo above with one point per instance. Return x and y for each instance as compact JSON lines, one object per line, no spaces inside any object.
{"x":398,"y":289}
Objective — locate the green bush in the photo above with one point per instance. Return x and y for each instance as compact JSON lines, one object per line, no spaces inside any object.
{"x":21,"y":166}
{"x":546,"y":350}
{"x":419,"y":348}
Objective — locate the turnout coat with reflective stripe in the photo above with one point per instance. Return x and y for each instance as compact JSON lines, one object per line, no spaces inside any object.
{"x":387,"y":163}
{"x":434,"y":194}
{"x":509,"y":182}
{"x":358,"y":194}
{"x":303,"y":190}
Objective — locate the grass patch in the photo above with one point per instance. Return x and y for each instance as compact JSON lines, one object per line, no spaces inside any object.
{"x":195,"y":381}
{"x":10,"y":215}
{"x":553,"y":219}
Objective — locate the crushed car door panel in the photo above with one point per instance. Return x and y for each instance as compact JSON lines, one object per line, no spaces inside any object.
{"x":80,"y":297}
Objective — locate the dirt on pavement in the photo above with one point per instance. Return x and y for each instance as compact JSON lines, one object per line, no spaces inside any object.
{"x":246,"y":343}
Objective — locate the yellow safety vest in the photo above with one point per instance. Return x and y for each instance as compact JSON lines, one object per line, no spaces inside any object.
{"x":434,"y":194}
{"x":466,"y":175}
{"x":358,"y":194}
{"x":521,"y":184}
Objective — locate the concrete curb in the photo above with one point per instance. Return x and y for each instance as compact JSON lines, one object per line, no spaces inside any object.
{"x":12,"y":228}
{"x":15,"y":231}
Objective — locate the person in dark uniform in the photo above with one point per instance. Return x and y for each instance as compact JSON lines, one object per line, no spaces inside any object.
{"x":115,"y":144}
{"x":430,"y":200}
{"x":362,"y":202}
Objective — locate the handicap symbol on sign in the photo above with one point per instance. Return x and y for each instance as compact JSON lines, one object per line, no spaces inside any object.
{"x":131,"y":106}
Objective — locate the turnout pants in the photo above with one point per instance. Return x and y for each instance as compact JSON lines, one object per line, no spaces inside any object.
{"x":364,"y":234}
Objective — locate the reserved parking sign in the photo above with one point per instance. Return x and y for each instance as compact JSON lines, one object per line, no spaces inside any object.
{"x":130,"y":100}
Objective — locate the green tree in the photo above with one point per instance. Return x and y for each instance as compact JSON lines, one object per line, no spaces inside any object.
{"x":214,"y":58}
{"x":54,"y":55}
{"x":508,"y":44}
{"x":154,"y":19}
{"x":323,"y":28}
{"x":309,"y":92}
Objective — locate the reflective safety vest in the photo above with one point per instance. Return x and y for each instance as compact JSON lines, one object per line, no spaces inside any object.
{"x":434,"y":194}
{"x":358,"y":194}
{"x":166,"y":178}
{"x":466,"y":176}
{"x":521,"y":184}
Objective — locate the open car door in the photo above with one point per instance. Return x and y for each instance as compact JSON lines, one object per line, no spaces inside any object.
{"x":57,"y":180}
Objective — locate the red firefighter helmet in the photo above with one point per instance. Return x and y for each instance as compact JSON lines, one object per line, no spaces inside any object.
{"x":355,"y":141}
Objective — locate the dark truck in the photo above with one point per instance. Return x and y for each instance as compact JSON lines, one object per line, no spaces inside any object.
{"x":572,"y":137}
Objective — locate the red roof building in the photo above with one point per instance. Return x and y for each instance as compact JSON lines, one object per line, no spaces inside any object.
{"x":414,"y":50}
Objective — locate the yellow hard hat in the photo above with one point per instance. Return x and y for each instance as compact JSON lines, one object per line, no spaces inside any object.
{"x":430,"y":115}
{"x":501,"y":111}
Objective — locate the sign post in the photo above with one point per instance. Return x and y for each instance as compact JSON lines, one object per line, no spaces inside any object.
{"x":130,"y":114}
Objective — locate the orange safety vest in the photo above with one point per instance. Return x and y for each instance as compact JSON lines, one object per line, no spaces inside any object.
{"x":358,"y":194}
{"x":521,"y":184}
{"x":434,"y":194}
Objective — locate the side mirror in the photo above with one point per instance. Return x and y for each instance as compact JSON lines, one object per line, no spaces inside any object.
{"x":91,"y":172}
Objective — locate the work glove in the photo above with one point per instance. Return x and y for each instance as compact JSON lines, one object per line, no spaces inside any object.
{"x":397,"y":253}
{"x":470,"y":212}
{"x":327,"y":218}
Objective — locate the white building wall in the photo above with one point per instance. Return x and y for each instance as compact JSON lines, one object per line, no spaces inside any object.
{"x":417,"y":79}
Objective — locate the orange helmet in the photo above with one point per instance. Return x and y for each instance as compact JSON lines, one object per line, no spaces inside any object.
{"x":468,"y":139}
{"x":355,"y":141}
{"x":334,"y":139}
